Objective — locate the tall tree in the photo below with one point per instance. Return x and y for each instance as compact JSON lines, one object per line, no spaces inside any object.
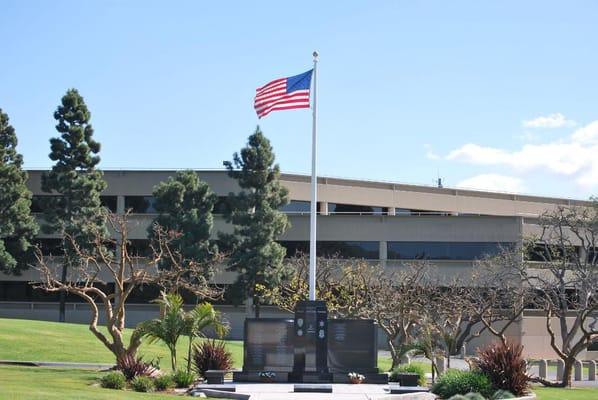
{"x":18,"y":226}
{"x":75,"y":211}
{"x":185,"y":205}
{"x":254,"y":211}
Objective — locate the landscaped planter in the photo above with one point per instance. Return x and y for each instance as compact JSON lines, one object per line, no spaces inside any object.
{"x":408,"y":379}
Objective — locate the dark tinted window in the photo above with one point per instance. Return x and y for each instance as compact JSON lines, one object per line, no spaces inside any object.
{"x":23,"y":291}
{"x":40,"y":202}
{"x":50,"y":246}
{"x":109,"y":202}
{"x":140,"y":204}
{"x":297,"y":206}
{"x":221,"y":206}
{"x":355,"y":209}
{"x":548,"y":253}
{"x":338,"y":249}
{"x":139,"y":248}
{"x":442,"y":250}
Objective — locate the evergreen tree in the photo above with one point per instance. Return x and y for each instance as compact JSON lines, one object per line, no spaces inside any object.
{"x":254,"y":211}
{"x":17,"y":226}
{"x":185,"y":204}
{"x":76,"y":210}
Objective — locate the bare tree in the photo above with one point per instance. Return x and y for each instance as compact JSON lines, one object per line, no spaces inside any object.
{"x":111,"y":262}
{"x":562,"y":269}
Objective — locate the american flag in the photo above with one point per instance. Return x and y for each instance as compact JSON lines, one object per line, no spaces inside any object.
{"x":283,"y":94}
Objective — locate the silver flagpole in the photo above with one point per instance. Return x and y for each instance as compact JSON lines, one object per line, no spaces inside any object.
{"x":314,"y":191}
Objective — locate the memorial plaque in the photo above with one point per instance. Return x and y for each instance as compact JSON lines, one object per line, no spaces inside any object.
{"x":311,"y":337}
{"x":268,"y":345}
{"x":352,"y":345}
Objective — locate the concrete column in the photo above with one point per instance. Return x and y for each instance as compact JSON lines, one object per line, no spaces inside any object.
{"x":591,"y":370}
{"x":560,"y":369}
{"x":542,"y":367}
{"x":578,"y":370}
{"x":120,"y":204}
{"x":382,"y":249}
{"x":323,"y":208}
{"x":391,"y":211}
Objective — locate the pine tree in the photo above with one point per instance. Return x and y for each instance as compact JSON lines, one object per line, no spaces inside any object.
{"x":185,"y":204}
{"x":76,"y":210}
{"x":254,"y":211}
{"x":17,"y":226}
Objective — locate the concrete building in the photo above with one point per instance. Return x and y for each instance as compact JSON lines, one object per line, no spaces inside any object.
{"x":379,"y":221}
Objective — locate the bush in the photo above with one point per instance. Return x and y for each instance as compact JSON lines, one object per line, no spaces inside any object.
{"x":474,"y":396}
{"x":505,"y":367}
{"x":132,"y":367}
{"x":462,"y":382}
{"x":182,"y":378}
{"x":164,"y":382}
{"x":409,"y":368}
{"x":458,"y":397}
{"x":211,"y":354}
{"x":113,"y":380}
{"x":142,"y":383}
{"x":502,"y":394}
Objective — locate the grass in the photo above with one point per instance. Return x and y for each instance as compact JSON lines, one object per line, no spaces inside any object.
{"x":25,"y":340}
{"x":566,"y":394}
{"x":32,"y":383}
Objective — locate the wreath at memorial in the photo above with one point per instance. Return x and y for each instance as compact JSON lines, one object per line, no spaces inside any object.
{"x":355,"y":378}
{"x":267,"y":376}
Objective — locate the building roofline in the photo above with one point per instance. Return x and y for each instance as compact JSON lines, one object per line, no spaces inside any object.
{"x":379,"y":184}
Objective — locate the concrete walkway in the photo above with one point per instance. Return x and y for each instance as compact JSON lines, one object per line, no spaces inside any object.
{"x":340,"y":391}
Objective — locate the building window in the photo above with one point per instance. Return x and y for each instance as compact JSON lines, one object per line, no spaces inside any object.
{"x":139,"y":248}
{"x":140,"y":204}
{"x":334,"y":249}
{"x":541,"y":252}
{"x":296,"y":207}
{"x":50,"y":246}
{"x":443,"y":250}
{"x":221,"y":206}
{"x":109,"y":202}
{"x":336,"y":208}
{"x":40,"y":202}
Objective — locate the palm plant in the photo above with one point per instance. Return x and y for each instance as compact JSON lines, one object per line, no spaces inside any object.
{"x":202,"y":317}
{"x":171,"y":325}
{"x":174,"y":322}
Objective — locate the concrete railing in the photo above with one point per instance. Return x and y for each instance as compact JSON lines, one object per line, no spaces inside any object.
{"x":578,"y":368}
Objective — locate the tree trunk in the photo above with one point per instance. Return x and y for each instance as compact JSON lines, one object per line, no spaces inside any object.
{"x":62,"y":297}
{"x":448,"y":359}
{"x":189,"y":354}
{"x":393,"y":354}
{"x":173,"y":357}
{"x":566,"y":378}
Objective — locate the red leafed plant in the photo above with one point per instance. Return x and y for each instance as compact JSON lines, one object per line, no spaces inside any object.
{"x":211,"y":354}
{"x":505,"y":366}
{"x":132,"y":367}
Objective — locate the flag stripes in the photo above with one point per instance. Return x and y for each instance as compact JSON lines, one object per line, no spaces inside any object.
{"x":283,"y":94}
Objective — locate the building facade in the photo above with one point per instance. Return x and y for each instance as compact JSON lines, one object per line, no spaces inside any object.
{"x":382,"y":222}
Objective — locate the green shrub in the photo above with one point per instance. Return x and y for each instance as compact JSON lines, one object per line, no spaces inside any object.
{"x":113,"y":380}
{"x":182,"y":378}
{"x":164,"y":382}
{"x":502,"y":394}
{"x":142,"y":384}
{"x":455,"y":382}
{"x":409,"y":368}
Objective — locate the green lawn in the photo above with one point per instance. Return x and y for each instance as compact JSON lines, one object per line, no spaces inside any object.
{"x":566,"y":394}
{"x":25,"y":340}
{"x":33,"y":383}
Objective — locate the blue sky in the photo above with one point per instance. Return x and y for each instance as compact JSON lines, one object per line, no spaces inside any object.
{"x":495,"y":95}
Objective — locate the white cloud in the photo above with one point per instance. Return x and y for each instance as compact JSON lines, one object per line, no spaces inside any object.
{"x":493,"y":182}
{"x":430,"y":154}
{"x":575,"y":156}
{"x":556,"y":120}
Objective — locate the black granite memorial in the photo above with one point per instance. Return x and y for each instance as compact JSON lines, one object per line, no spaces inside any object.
{"x":310,"y":361}
{"x":310,"y":348}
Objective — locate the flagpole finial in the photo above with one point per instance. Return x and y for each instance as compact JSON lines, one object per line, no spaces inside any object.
{"x":315,"y":54}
